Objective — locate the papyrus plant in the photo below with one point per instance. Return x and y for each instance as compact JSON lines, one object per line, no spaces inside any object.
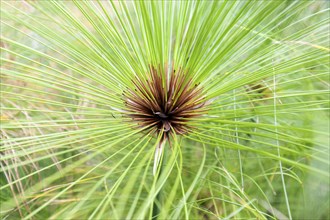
{"x":164,"y":109}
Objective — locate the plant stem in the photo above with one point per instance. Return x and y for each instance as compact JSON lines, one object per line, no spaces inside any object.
{"x":156,"y":208}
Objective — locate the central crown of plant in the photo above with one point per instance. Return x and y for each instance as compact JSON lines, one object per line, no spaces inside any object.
{"x":164,"y":102}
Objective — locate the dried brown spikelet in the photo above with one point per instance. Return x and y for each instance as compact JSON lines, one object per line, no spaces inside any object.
{"x":164,"y":102}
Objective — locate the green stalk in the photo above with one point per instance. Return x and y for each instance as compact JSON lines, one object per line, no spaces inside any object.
{"x":156,"y":208}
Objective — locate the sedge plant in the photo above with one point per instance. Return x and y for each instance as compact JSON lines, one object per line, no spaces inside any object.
{"x":164,"y":109}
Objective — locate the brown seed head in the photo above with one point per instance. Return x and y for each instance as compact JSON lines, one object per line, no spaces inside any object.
{"x":164,"y":102}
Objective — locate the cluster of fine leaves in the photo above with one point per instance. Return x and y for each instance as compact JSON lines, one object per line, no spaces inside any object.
{"x":261,"y":151}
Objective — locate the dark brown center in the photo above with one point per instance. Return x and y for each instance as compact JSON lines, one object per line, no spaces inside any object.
{"x":164,"y":102}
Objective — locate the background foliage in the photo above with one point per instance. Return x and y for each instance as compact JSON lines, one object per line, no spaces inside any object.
{"x":260,"y":152}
